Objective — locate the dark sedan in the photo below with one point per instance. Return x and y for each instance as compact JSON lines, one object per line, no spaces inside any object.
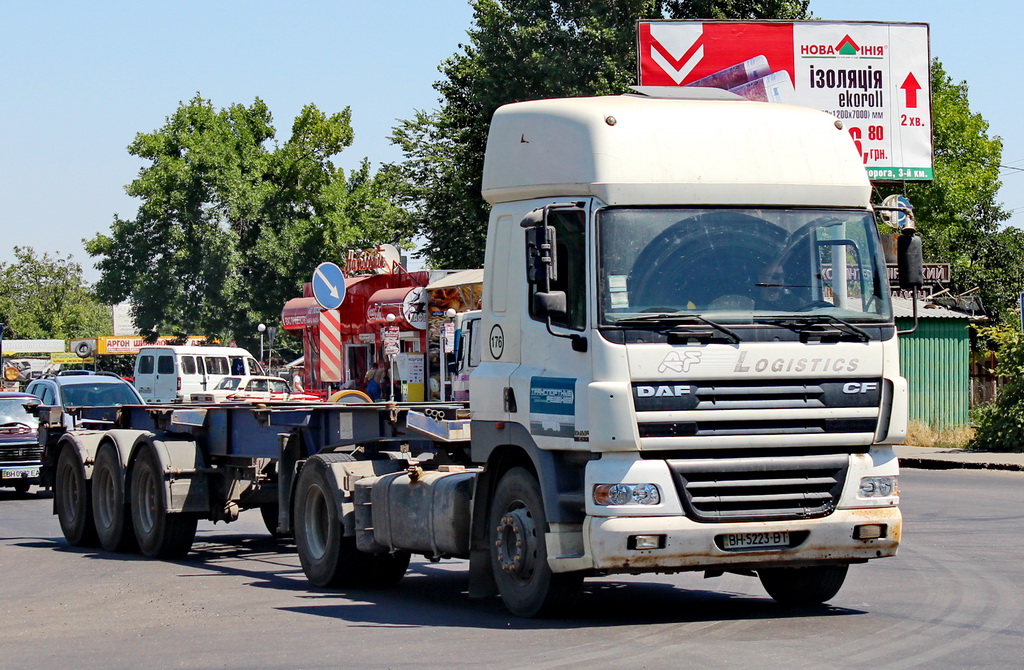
{"x":20,"y":452}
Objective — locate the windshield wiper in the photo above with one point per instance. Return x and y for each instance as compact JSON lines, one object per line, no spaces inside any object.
{"x":675,"y":318}
{"x":803,"y":323}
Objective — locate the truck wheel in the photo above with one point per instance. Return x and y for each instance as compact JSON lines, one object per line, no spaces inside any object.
{"x":110,"y":511}
{"x":519,"y":557}
{"x":329,"y":559}
{"x":71,"y":498}
{"x":803,"y":586}
{"x":389,"y":568}
{"x":160,"y":535}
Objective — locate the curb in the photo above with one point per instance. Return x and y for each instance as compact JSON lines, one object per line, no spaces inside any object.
{"x":942,"y":464}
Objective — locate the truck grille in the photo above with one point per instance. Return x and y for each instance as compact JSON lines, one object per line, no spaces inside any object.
{"x":762,"y":427}
{"x":766,"y":488}
{"x":785,"y":407}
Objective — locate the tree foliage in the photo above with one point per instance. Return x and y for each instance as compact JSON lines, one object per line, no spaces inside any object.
{"x":999,"y":425}
{"x":522,"y":50}
{"x":957,"y":214}
{"x":231,"y":223}
{"x":44,"y":297}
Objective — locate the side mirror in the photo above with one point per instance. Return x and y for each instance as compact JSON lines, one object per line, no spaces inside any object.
{"x":910,"y":259}
{"x":550,"y":303}
{"x":541,"y":263}
{"x":540,"y":248}
{"x":533,"y":218}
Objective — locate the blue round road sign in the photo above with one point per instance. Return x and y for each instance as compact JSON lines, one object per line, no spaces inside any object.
{"x":328,"y":286}
{"x":901,"y":217}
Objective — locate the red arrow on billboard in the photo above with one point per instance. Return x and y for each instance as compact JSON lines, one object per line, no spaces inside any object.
{"x":911,"y":86}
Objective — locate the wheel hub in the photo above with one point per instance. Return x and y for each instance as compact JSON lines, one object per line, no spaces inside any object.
{"x":515,"y":543}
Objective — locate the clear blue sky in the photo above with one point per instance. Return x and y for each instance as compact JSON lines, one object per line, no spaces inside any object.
{"x":79,"y":80}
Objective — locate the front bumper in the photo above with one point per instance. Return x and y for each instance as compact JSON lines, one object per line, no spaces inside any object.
{"x":689,"y":545}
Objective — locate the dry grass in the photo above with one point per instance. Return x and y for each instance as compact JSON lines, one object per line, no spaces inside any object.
{"x":921,"y":434}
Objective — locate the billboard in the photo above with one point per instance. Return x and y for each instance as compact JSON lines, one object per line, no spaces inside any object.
{"x":874,"y":77}
{"x":125,"y":345}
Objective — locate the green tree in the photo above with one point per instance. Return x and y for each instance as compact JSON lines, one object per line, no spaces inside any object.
{"x":521,"y":50}
{"x":957,"y":214}
{"x":231,"y":224}
{"x":999,"y":425}
{"x":44,"y":297}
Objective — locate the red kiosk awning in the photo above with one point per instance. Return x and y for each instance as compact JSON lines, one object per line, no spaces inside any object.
{"x":408,"y":305}
{"x":298,"y":312}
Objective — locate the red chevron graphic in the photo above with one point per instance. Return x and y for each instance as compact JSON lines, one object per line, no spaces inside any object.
{"x":677,"y":63}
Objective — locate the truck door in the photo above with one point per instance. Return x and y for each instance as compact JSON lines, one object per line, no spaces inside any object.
{"x":551,"y":383}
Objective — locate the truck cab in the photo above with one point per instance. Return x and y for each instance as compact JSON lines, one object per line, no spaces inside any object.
{"x":688,"y":339}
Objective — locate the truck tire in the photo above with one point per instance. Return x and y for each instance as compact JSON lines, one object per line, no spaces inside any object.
{"x":329,"y":559}
{"x":160,"y":535}
{"x":519,"y":558}
{"x":803,"y":586}
{"x":110,"y":511}
{"x":71,"y":498}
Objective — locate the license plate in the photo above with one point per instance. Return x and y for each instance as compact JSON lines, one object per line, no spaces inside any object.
{"x":18,"y":473}
{"x":768,"y":540}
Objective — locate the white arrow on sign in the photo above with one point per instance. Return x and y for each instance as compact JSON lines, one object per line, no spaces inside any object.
{"x":331,"y":288}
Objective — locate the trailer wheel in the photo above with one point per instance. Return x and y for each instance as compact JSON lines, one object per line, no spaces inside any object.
{"x":519,"y":558}
{"x":329,"y":559}
{"x":110,"y":511}
{"x":72,"y":500}
{"x":803,"y":586}
{"x":269,"y":512}
{"x":160,"y":534}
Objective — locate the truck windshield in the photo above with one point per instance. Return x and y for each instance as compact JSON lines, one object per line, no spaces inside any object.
{"x":740,"y":265}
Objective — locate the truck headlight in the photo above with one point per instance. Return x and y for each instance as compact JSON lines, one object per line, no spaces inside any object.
{"x":878,"y":487}
{"x":627,"y":494}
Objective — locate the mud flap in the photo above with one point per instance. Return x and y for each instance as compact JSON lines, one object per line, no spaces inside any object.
{"x":186,"y":489}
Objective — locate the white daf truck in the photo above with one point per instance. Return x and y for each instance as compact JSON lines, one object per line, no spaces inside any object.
{"x":688,"y":363}
{"x":689,"y":358}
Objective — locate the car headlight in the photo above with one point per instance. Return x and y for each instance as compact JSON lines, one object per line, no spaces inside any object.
{"x":627,"y":494}
{"x":878,"y":487}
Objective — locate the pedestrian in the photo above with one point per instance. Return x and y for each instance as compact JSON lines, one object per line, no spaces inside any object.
{"x":297,"y":382}
{"x":372,"y":380}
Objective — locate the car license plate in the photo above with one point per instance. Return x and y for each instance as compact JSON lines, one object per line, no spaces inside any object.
{"x":768,"y":540}
{"x":18,"y":473}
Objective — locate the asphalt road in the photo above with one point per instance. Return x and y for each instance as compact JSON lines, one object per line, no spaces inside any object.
{"x":952,"y":598}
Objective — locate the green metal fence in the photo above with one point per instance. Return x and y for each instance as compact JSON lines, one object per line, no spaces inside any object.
{"x":936,"y":362}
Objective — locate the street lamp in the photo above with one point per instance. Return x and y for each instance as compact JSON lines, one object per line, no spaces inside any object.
{"x":442,"y":341}
{"x":262,"y":327}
